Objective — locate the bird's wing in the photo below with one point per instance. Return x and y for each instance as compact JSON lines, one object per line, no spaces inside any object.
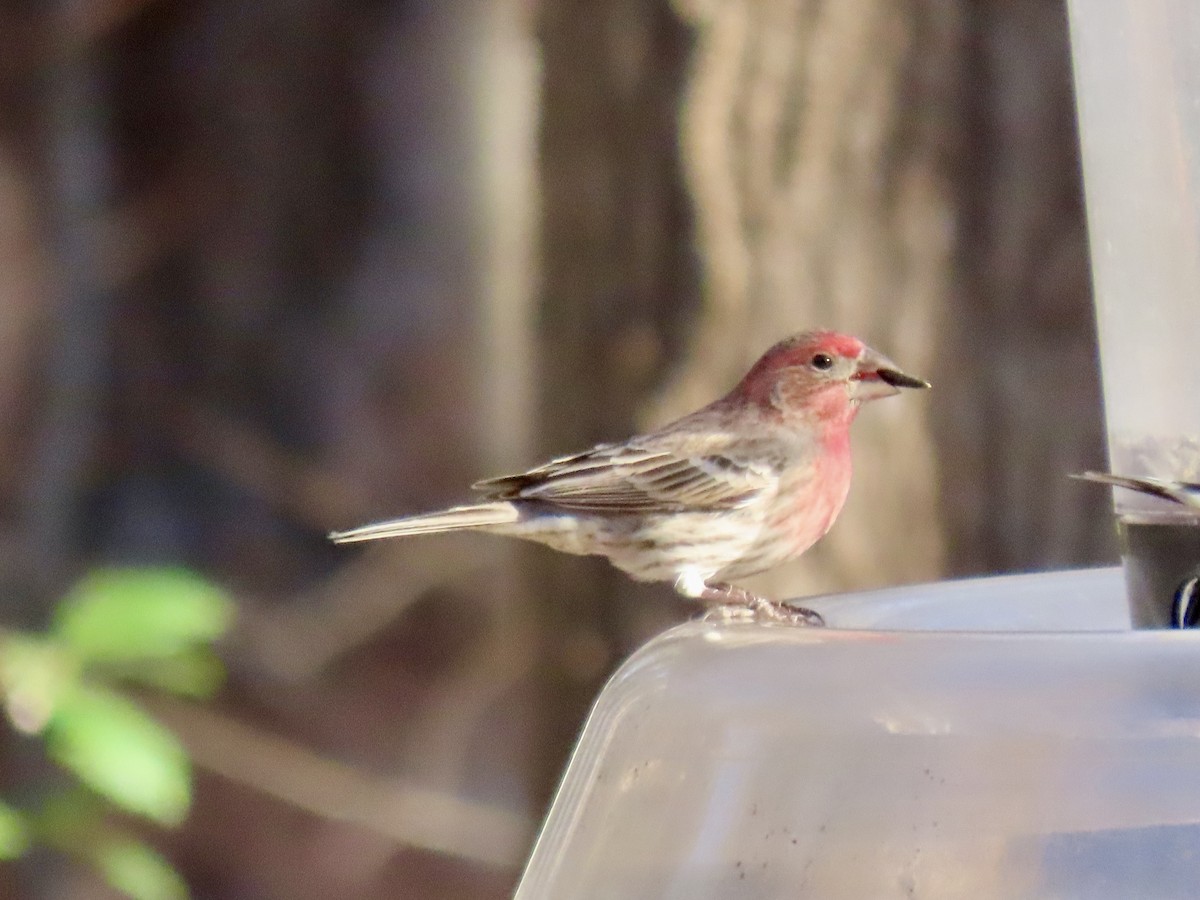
{"x":630,"y":478}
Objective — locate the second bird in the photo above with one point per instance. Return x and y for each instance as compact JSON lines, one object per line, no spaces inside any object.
{"x":746,"y":483}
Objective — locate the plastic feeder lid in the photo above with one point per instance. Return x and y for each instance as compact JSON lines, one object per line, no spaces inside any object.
{"x":759,"y":762}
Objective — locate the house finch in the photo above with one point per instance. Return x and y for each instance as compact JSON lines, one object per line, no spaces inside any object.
{"x":733,"y":489}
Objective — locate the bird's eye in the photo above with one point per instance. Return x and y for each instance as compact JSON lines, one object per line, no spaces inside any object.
{"x":822,"y":361}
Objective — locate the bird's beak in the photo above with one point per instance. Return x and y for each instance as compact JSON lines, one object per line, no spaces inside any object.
{"x":877,"y":376}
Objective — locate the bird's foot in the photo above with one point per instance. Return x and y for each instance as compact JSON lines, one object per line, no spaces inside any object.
{"x":788,"y":612}
{"x":735,"y":604}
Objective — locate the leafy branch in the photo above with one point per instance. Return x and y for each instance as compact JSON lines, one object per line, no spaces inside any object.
{"x":149,"y":627}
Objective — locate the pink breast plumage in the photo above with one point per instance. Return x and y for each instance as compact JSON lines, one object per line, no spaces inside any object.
{"x":809,"y":501}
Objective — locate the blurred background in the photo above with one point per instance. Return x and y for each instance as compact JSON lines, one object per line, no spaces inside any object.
{"x":270,"y":269}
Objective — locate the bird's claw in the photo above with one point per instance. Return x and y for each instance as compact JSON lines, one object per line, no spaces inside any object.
{"x":763,"y":611}
{"x":793,"y":613}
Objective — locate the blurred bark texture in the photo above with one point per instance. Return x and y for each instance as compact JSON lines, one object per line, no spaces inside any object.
{"x":618,"y":284}
{"x":1018,"y":400}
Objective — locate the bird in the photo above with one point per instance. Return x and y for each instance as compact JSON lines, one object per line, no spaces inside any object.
{"x":746,"y":483}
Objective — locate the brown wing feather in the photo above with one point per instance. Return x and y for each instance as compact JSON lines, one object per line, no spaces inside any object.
{"x":624,"y":478}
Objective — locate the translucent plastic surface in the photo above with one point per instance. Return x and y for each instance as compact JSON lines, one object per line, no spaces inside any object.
{"x":1137,"y":77}
{"x":765,"y":762}
{"x":1082,"y":600}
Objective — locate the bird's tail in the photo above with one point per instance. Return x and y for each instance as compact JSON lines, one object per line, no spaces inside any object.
{"x":479,"y":515}
{"x":1186,"y":493}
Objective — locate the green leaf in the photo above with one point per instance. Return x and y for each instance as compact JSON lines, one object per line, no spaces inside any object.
{"x":139,"y":871}
{"x":128,"y":614}
{"x":196,"y":673}
{"x":120,"y":752}
{"x":14,"y":832}
{"x":34,"y":674}
{"x":70,"y":819}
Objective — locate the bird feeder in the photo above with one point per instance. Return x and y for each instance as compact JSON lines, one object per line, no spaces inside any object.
{"x":1137,"y":74}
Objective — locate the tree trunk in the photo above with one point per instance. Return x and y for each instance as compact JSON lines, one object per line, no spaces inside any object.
{"x":1017,"y":359}
{"x":617,"y":282}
